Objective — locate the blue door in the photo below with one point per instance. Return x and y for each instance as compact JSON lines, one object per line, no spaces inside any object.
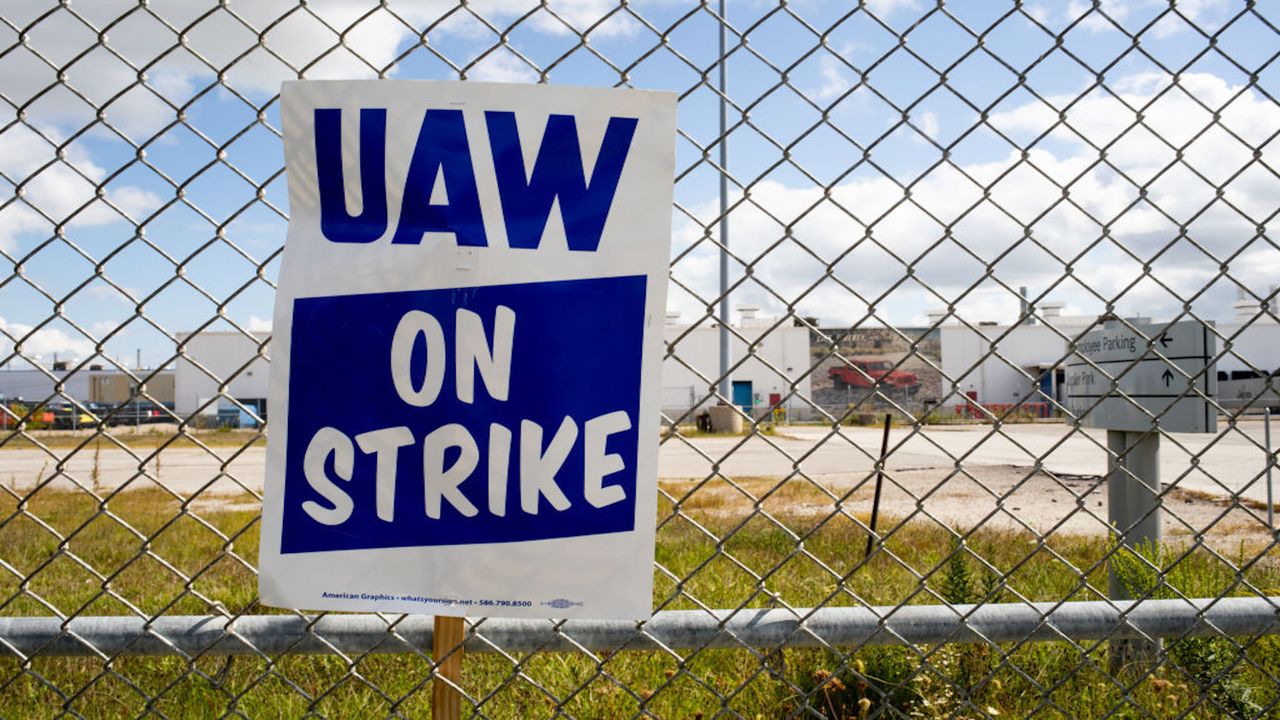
{"x":1046,"y":386}
{"x":742,"y":395}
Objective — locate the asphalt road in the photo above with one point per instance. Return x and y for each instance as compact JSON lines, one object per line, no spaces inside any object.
{"x":1230,"y":462}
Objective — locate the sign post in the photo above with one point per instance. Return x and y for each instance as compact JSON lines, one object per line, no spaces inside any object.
{"x":447,"y":638}
{"x":466,"y":353}
{"x":1137,"y":383}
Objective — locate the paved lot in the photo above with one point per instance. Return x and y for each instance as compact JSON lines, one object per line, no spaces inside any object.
{"x":184,"y":470}
{"x":958,"y":475}
{"x":1230,"y":462}
{"x":962,"y":476}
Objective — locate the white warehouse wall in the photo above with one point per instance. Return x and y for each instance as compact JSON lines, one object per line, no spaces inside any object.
{"x":1004,"y":379}
{"x":221,"y":353}
{"x":33,"y":385}
{"x":996,"y":381}
{"x":785,"y":348}
{"x":1258,"y":345}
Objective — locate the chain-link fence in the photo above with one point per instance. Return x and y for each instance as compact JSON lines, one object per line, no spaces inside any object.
{"x":925,"y":210}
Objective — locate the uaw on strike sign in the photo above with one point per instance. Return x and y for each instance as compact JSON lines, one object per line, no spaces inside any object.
{"x":466,"y":354}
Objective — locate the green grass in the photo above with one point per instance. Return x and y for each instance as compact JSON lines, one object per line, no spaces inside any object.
{"x":181,"y":565}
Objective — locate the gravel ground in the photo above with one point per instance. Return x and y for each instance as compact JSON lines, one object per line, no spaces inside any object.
{"x":997,"y":482}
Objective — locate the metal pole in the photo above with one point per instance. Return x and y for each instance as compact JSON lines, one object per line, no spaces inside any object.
{"x":1133,"y":494}
{"x":825,"y":627}
{"x":1133,"y":487}
{"x":875,"y":502}
{"x":724,"y":214}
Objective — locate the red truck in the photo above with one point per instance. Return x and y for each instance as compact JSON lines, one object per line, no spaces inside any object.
{"x":867,"y":373}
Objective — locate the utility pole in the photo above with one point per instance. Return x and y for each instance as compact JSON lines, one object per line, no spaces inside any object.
{"x":724,"y":213}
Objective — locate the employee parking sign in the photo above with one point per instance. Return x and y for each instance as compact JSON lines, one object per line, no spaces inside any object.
{"x":466,"y":349}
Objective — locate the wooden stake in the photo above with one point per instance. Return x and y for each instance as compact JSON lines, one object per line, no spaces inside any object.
{"x":446,"y":648}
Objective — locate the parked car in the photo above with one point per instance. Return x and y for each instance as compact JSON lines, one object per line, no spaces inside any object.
{"x":68,"y":416}
{"x":138,"y":412}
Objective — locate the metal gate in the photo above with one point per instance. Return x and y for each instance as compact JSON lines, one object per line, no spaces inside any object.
{"x":891,"y":208}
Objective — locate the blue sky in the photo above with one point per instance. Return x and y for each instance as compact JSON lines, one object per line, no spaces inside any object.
{"x":825,"y":157}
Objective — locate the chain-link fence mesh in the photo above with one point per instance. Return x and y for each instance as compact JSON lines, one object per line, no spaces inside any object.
{"x":926,"y":208}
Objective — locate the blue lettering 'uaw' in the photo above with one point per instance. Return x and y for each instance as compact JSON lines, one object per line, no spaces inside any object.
{"x":443,"y":151}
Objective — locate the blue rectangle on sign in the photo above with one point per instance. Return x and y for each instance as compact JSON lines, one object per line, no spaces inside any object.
{"x":408,"y":426}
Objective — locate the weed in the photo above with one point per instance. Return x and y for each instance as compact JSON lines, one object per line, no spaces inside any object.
{"x":721,"y":554}
{"x":1213,"y":664}
{"x":95,"y":473}
{"x":957,"y":581}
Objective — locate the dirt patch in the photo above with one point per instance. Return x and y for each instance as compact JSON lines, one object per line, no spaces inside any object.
{"x":998,"y":497}
{"x":221,"y":503}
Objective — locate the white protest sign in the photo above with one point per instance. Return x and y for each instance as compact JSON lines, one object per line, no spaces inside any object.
{"x":1164,"y":372}
{"x":466,"y":351}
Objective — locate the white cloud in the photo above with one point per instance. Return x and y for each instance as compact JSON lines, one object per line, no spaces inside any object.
{"x":257,"y":43}
{"x":560,"y":17}
{"x":502,"y":66}
{"x":1039,"y":13}
{"x":835,"y":80}
{"x":44,"y":342}
{"x":928,"y":124}
{"x":57,"y":189}
{"x":781,"y":229}
{"x":257,"y":324}
{"x":887,"y":7}
{"x":1133,"y":15}
{"x":1176,"y":116}
{"x":102,"y":327}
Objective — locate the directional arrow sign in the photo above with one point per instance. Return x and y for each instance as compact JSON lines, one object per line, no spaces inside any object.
{"x":1120,"y":379}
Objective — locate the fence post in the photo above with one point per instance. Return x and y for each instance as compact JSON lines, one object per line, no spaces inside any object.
{"x":872,"y":537}
{"x":1133,"y":511}
{"x":446,"y":649}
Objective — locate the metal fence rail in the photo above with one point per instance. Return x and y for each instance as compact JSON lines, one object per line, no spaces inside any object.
{"x":832,"y":627}
{"x":894,"y":207}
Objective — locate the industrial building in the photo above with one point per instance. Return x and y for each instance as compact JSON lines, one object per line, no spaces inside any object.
{"x":96,"y":383}
{"x":761,"y":384}
{"x":210,"y":359}
{"x":996,"y":364}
